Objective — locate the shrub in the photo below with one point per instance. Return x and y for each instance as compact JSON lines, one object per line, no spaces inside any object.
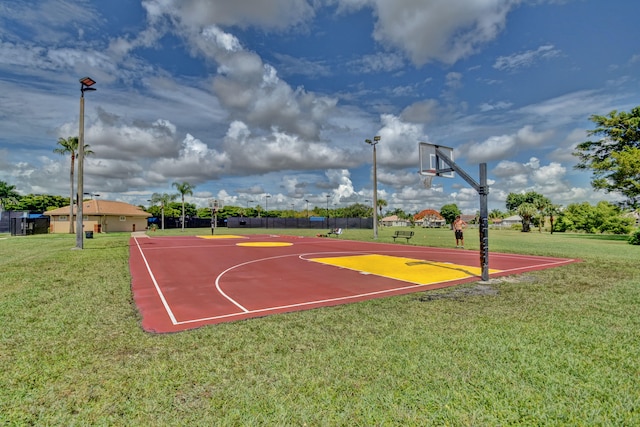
{"x":634,"y":239}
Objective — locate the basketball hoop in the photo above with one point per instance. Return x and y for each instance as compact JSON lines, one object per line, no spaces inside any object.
{"x":427,"y":180}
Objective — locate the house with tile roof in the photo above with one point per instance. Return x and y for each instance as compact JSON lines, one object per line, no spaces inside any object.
{"x":101,"y":216}
{"x":429,"y":218}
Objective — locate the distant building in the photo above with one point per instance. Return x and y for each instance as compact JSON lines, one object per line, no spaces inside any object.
{"x":394,"y":221}
{"x":429,"y":218}
{"x":509,"y":221}
{"x":100,"y":216}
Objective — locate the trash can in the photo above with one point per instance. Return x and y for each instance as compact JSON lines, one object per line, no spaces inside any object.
{"x":88,"y":234}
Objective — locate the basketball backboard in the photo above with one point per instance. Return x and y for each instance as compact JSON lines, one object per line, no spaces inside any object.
{"x":215,"y":205}
{"x":431,"y":164}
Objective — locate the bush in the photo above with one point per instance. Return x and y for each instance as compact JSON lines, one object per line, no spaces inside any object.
{"x":634,"y":239}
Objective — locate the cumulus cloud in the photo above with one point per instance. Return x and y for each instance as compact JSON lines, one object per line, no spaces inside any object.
{"x":516,"y":177}
{"x":421,"y":112}
{"x":502,"y":146}
{"x":195,"y":162}
{"x":398,"y":146}
{"x":438,"y":30}
{"x":279,"y":151}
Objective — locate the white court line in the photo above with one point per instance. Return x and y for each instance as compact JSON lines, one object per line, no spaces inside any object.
{"x":246,"y":311}
{"x":155,"y":283}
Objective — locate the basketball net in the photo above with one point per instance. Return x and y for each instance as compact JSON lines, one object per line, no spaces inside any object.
{"x":427,"y":180}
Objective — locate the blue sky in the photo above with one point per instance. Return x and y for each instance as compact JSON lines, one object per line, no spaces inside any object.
{"x":246,"y":99}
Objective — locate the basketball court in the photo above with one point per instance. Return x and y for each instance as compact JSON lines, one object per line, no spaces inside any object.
{"x":186,"y":282}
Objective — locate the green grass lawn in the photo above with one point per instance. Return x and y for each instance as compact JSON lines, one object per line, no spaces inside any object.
{"x":551,"y":347}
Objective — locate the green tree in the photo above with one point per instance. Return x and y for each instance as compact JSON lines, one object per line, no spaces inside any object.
{"x":449,"y":212}
{"x":163,"y":199}
{"x":527,"y":211}
{"x":357,"y":210}
{"x":8,"y":194}
{"x":382,"y":203}
{"x":69,"y":147}
{"x":184,"y":188}
{"x":614,"y":157}
{"x":40,"y":202}
{"x":552,"y":212}
{"x":605,"y":217}
{"x":496,"y":214}
{"x":516,"y":199}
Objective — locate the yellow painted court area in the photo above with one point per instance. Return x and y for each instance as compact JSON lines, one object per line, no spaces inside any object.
{"x":406,"y":269}
{"x":223,"y":236}
{"x":264,"y":244}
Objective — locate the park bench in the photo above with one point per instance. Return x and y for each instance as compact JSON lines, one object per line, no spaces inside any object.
{"x":335,"y":231}
{"x":406,"y":234}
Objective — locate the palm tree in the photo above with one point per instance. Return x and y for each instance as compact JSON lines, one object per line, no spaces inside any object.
{"x":381,"y":204}
{"x":526,"y":211}
{"x":542,"y":205}
{"x":552,"y":210}
{"x":184,"y":188}
{"x":164,"y":199}
{"x":7,"y":194}
{"x":70,"y":146}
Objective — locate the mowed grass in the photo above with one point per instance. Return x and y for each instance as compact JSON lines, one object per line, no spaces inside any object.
{"x":552,"y":347}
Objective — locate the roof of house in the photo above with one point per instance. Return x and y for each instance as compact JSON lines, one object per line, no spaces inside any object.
{"x":431,"y":213}
{"x":467,"y":217}
{"x":103,"y":207}
{"x":392,"y":218}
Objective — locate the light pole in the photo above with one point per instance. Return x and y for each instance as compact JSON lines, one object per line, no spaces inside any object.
{"x":328,"y":210}
{"x":266,"y":210}
{"x":376,"y":139}
{"x":85,"y":85}
{"x":306,"y":200}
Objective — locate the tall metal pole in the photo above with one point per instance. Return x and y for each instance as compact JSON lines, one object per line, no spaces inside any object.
{"x":375,"y":141}
{"x":79,"y":213}
{"x":375,"y":194}
{"x":328,"y":210}
{"x":483,"y":191}
{"x":85,"y":84}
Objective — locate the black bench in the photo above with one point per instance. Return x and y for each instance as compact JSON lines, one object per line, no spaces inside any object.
{"x":406,"y":234}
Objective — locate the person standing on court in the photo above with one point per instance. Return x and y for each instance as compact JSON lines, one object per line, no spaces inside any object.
{"x":458,"y":226}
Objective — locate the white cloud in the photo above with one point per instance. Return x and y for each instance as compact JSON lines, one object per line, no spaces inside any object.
{"x":503,"y":146}
{"x":438,"y":30}
{"x":378,"y":62}
{"x":421,"y":112}
{"x":195,"y":162}
{"x":525,"y":59}
{"x":398,"y":146}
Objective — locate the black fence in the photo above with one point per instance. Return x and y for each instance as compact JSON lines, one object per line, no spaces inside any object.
{"x":171,"y":222}
{"x":29,"y":226}
{"x":5,"y":221}
{"x":318,"y":223}
{"x":313,"y":223}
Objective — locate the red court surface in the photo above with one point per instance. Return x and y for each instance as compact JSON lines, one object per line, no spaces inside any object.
{"x":186,"y":282}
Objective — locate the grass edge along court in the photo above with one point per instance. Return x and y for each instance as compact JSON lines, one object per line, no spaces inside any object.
{"x":551,"y":347}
